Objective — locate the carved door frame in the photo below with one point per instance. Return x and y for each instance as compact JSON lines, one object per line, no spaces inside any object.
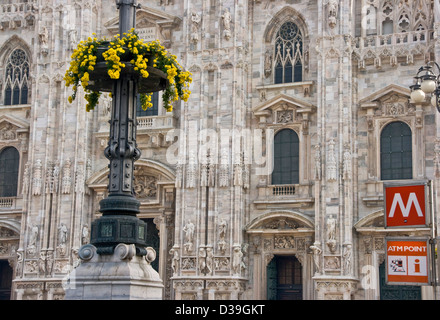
{"x":283,"y":233}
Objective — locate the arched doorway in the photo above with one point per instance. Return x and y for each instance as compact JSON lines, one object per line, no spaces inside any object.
{"x":284,"y":278}
{"x":5,"y":280}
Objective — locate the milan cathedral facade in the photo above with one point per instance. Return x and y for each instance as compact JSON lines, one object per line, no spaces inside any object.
{"x":266,"y":184}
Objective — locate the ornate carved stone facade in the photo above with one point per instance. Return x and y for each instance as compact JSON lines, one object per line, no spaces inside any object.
{"x":332,"y":73}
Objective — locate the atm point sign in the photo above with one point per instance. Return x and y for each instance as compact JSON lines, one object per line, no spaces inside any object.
{"x":407,"y":261}
{"x":405,"y":206}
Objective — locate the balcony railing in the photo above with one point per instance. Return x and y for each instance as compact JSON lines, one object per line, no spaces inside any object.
{"x":10,"y":203}
{"x":287,"y":195}
{"x":404,"y":38}
{"x":283,"y":189}
{"x":156,"y":122}
{"x":18,"y":7}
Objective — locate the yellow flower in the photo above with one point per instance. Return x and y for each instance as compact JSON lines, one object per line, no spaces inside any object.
{"x":84,"y":60}
{"x":145,"y":73}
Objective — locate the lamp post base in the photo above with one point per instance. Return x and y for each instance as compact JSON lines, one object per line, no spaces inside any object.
{"x":110,"y":230}
{"x":120,"y":276}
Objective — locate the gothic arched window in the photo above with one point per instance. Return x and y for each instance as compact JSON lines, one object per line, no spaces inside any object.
{"x":16,"y":81}
{"x":286,"y":158}
{"x":288,"y":54}
{"x":9,"y":161}
{"x":396,"y":151}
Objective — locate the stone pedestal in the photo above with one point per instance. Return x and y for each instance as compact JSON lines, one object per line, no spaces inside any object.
{"x":120,"y":276}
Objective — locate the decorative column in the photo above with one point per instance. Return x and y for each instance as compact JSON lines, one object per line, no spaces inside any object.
{"x":334,"y":162}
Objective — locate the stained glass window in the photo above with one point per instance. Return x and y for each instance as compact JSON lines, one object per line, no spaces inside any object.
{"x":288,"y":53}
{"x":16,"y":78}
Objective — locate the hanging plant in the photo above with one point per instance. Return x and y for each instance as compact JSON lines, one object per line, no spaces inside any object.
{"x":128,"y":52}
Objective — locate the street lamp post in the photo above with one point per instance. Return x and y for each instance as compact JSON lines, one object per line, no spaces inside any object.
{"x":117,"y":262}
{"x":427,"y":83}
{"x":119,"y":223}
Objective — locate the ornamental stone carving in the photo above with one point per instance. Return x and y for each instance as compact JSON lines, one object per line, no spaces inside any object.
{"x":285,"y":116}
{"x":222,"y":228}
{"x":317,"y":252}
{"x":332,"y":12}
{"x":8,"y":131}
{"x":37,"y":178}
{"x":226,"y":19}
{"x":34,"y":232}
{"x":189,"y":229}
{"x":268,"y":64}
{"x":331,"y":233}
{"x":284,"y":242}
{"x":347,"y":259}
{"x":67,"y":177}
{"x":145,"y":185}
{"x":318,"y":163}
{"x":195,"y":25}
{"x":331,"y":161}
{"x":332,"y":263}
{"x":191,"y":170}
{"x":175,"y":260}
{"x":237,"y":260}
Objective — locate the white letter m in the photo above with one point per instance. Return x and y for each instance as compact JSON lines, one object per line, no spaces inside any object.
{"x":405,"y":210}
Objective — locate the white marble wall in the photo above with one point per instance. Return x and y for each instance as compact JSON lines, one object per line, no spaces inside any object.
{"x":340,"y":108}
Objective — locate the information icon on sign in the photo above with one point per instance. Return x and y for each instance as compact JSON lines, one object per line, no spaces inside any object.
{"x":417,"y":266}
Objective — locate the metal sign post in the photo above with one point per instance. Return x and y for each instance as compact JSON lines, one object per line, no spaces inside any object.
{"x":410,"y":260}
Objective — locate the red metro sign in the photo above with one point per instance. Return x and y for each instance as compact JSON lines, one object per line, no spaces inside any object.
{"x":406,"y":206}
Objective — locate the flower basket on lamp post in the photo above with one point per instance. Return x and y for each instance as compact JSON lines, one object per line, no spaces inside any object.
{"x":125,"y":66}
{"x":95,"y":63}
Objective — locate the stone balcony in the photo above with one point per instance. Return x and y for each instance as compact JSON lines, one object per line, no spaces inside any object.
{"x":392,"y":48}
{"x":151,"y":131}
{"x":284,"y":196}
{"x":11,"y":204}
{"x":393,"y":39}
{"x":155,"y":123}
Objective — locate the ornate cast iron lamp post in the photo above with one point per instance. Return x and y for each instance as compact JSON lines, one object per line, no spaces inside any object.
{"x":427,"y":83}
{"x":118,"y":223}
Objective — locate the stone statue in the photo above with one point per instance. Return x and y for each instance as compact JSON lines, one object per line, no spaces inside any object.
{"x":189,"y":236}
{"x":222,"y":235}
{"x":226,"y":18}
{"x":202,"y":259}
{"x":317,"y":251}
{"x":347,"y":259}
{"x":331,"y":233}
{"x":175,"y":261}
{"x":237,"y":260}
{"x":195,"y":21}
